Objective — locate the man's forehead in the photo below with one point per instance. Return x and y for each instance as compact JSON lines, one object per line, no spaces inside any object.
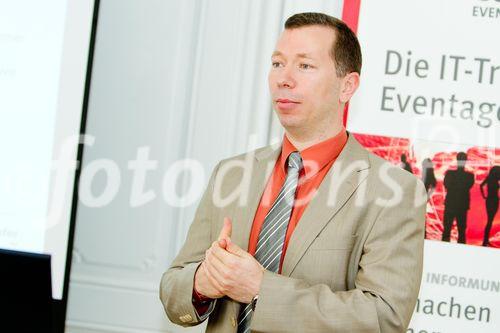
{"x":305,"y":42}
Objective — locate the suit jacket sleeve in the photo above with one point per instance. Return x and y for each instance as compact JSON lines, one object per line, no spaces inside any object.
{"x":176,"y":286}
{"x":386,"y":285}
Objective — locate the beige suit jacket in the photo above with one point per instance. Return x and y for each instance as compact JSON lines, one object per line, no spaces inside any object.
{"x":353,"y":263}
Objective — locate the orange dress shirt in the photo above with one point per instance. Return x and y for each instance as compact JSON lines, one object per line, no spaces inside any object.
{"x":317,"y":160}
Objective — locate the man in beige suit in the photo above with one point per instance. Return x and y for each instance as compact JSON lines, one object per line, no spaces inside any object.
{"x":353,"y":263}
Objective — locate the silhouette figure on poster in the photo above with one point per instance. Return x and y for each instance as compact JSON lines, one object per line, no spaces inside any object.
{"x":491,"y":181}
{"x":405,"y":164}
{"x":428,"y":176}
{"x":429,"y":180}
{"x":456,"y":204}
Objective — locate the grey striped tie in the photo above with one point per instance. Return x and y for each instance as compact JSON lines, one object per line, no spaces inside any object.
{"x":272,"y":234}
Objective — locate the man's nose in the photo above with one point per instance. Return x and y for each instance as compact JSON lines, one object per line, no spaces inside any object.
{"x":286,"y":79}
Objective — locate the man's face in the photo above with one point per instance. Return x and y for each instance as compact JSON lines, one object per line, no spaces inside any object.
{"x":302,"y":80}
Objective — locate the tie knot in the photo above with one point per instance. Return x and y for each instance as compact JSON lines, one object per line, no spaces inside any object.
{"x":295,"y":161}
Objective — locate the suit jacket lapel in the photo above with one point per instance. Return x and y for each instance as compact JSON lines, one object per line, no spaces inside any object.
{"x":341,"y":181}
{"x":263,"y":165}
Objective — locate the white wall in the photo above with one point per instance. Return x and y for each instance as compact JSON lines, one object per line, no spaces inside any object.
{"x":188,"y":79}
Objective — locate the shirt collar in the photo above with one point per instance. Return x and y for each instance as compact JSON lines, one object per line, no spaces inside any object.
{"x":317,"y":156}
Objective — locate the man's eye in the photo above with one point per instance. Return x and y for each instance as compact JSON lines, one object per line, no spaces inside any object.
{"x":305,"y":66}
{"x":275,"y":64}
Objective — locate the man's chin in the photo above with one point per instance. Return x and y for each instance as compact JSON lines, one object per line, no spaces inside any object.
{"x":290,"y":119}
{"x":291,"y":122}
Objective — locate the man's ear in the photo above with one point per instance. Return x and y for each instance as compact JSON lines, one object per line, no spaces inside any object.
{"x":349,"y":85}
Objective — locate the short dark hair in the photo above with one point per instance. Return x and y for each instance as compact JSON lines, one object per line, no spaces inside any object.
{"x":345,"y":52}
{"x":461,"y":156}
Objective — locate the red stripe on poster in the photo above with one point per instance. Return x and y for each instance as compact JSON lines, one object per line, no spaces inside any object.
{"x":350,"y":15}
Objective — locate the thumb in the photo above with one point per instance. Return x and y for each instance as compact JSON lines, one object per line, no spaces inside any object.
{"x":226,"y":229}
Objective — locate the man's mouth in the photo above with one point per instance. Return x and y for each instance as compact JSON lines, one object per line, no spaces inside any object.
{"x":286,"y":104}
{"x":284,"y":100}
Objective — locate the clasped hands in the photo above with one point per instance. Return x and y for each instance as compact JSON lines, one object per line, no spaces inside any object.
{"x":228,"y":270}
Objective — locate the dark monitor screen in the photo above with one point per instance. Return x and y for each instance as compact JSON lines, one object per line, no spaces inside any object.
{"x":26,"y":292}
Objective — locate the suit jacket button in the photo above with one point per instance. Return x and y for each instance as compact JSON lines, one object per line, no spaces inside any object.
{"x":233,"y":321}
{"x":186,"y":318}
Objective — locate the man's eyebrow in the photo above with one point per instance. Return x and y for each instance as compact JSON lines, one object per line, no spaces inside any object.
{"x":304,"y":55}
{"x":299,"y":55}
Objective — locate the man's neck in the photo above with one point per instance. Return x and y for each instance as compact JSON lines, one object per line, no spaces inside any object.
{"x":303,"y":140}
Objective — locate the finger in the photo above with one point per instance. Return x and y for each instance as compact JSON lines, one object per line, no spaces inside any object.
{"x":226,"y":228}
{"x":224,"y":281}
{"x":216,"y":264}
{"x":222,"y":254}
{"x":211,"y":278}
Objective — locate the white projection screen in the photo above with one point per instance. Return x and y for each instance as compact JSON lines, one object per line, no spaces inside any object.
{"x":44,"y":55}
